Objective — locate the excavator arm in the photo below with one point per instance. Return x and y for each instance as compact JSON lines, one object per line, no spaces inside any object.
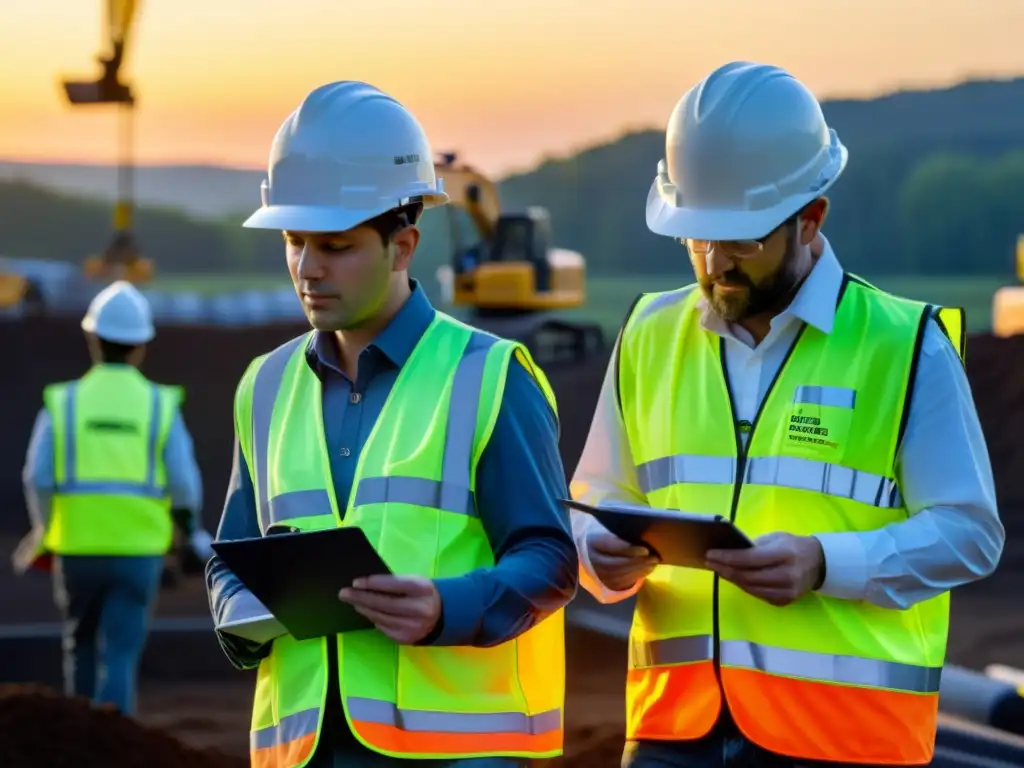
{"x":473,"y":192}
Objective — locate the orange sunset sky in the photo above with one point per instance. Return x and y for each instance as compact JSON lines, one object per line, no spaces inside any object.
{"x":503,"y":81}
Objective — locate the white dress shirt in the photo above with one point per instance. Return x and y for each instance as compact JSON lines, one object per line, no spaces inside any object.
{"x":953,"y":534}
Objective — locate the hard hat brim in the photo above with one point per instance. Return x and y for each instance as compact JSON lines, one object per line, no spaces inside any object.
{"x":724,"y":223}
{"x":129,"y":338}
{"x":323,"y":218}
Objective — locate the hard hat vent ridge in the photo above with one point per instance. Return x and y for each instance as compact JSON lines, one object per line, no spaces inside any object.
{"x":744,"y":148}
{"x":348,"y":153}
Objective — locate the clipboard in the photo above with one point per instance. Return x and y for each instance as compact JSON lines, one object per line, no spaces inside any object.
{"x":297,"y":576}
{"x":678,"y":538}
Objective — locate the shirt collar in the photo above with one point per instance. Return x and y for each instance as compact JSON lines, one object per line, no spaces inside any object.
{"x":815,"y":302}
{"x":395,"y":342}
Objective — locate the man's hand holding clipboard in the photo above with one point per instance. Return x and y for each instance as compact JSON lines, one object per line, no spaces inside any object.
{"x":778,"y":568}
{"x":405,"y":608}
{"x":618,"y":563}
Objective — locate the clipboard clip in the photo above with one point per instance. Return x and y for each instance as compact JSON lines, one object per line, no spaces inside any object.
{"x":278,"y":528}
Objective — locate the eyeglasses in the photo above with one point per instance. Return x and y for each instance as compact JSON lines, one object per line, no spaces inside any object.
{"x":736,"y":249}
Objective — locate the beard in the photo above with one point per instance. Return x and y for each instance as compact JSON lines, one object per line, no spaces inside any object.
{"x":735,"y":297}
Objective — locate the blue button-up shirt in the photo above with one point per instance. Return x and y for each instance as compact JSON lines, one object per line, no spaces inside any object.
{"x":519,"y":480}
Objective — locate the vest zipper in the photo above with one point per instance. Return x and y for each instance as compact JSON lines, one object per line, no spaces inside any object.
{"x":741,"y":466}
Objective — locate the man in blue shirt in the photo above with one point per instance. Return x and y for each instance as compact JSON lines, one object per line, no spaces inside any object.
{"x":348,"y":258}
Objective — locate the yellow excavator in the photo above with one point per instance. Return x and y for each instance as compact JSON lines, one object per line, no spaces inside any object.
{"x":507,"y":274}
{"x":1008,"y":302}
{"x":121,"y":259}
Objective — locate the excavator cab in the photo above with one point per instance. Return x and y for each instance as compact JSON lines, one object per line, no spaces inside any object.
{"x":526,"y":238}
{"x":509,"y":275}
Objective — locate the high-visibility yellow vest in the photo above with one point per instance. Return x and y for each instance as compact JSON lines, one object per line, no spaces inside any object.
{"x":823,"y":678}
{"x":413,"y":495}
{"x":109,"y":432}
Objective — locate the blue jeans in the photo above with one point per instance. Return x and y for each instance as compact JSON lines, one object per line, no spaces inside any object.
{"x":364,"y":758}
{"x":724,"y":747}
{"x":714,"y":751}
{"x":106,"y":603}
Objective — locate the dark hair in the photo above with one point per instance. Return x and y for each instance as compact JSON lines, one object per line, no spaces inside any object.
{"x":390,"y":222}
{"x":112,"y":352}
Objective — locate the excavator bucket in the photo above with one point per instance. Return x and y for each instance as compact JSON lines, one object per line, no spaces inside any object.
{"x":81,"y":92}
{"x":108,"y":88}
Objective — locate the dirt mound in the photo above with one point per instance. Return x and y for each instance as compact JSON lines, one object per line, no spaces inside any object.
{"x":39,"y":727}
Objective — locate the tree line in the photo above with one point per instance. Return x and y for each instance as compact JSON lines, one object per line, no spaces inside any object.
{"x":952,"y":214}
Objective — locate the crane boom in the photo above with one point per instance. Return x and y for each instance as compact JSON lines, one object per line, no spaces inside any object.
{"x":109,"y":88}
{"x":120,"y":14}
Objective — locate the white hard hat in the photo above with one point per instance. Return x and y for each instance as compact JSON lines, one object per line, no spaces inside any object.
{"x":347,"y":154}
{"x":745,"y":149}
{"x":121,"y":314}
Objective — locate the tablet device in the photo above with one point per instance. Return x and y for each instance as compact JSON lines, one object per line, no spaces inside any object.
{"x":678,"y":538}
{"x":297,"y":576}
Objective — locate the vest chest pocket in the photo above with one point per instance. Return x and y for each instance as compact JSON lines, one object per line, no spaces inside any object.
{"x":817,"y":422}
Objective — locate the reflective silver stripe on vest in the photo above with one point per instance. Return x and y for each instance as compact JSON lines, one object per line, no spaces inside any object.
{"x":802,"y":665}
{"x":386,"y":713}
{"x":291,"y":727}
{"x":264,"y":395}
{"x":781,"y":471}
{"x":676,"y":650}
{"x":835,"y":397}
{"x":451,"y":494}
{"x":305,"y":723}
{"x":71,"y":484}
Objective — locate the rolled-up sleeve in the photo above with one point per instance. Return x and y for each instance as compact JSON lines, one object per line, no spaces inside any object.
{"x":953,"y":535}
{"x":37,"y":477}
{"x":519,"y":480}
{"x":605,"y":473}
{"x":228,"y":598}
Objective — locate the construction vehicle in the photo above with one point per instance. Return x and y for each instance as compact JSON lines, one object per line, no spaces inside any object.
{"x":1008,"y":302}
{"x":507,"y":275}
{"x":121,"y":259}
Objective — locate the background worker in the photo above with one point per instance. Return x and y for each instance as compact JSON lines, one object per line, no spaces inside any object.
{"x":110,"y":468}
{"x":833,"y":423}
{"x":438,"y":440}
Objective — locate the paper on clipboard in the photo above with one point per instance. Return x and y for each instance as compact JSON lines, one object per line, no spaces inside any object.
{"x":254,"y":622}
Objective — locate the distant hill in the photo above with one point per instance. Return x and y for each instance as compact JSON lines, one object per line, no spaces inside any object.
{"x":984,"y":116}
{"x":203,"y":191}
{"x":935,"y":184}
